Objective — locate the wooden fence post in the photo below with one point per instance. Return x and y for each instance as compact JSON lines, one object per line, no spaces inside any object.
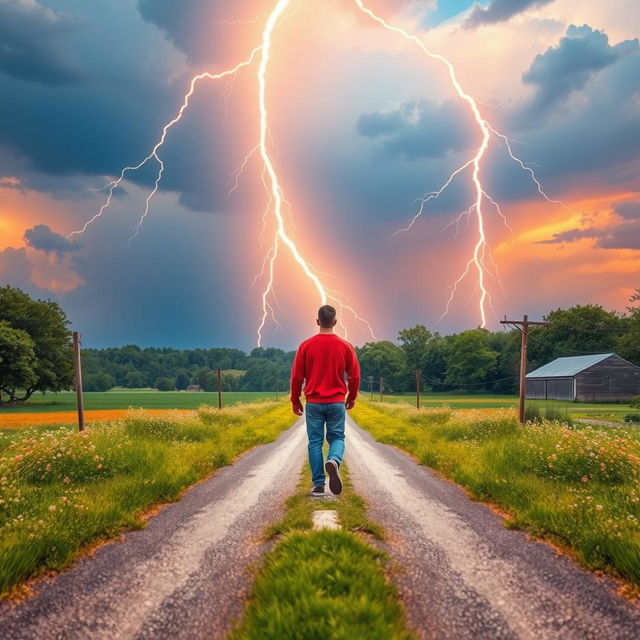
{"x":78,"y":379}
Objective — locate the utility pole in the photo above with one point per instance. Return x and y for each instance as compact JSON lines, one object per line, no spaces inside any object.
{"x":219,"y":373}
{"x":78,"y":380}
{"x":371,"y":387}
{"x":418,"y":376}
{"x":523,"y":326}
{"x":381,"y":388}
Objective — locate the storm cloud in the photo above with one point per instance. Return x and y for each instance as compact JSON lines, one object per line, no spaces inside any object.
{"x":33,"y":43}
{"x":419,"y":129}
{"x":499,"y":11}
{"x":566,"y":68}
{"x":42,"y":238}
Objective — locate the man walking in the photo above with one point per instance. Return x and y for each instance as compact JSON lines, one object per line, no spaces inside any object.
{"x":322,"y":362}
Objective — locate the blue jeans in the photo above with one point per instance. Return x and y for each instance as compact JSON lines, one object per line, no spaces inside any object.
{"x":318,"y":414}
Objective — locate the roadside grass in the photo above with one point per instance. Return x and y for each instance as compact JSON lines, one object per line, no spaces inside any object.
{"x":323,"y":584}
{"x":142,"y":398}
{"x":579,"y":487}
{"x":608,"y":412}
{"x":61,"y":490}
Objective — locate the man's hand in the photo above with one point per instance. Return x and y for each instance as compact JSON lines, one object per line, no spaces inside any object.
{"x":349,"y":404}
{"x":297,"y":409}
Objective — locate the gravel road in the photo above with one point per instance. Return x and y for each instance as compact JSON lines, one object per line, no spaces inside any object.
{"x":463,"y":574}
{"x":185,"y":575}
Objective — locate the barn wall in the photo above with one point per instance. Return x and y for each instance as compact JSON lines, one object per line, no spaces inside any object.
{"x":549,"y":388}
{"x":560,"y":389}
{"x":536,"y":389}
{"x":610,"y":380}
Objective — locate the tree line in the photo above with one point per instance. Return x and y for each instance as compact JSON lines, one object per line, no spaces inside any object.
{"x":36,"y":355}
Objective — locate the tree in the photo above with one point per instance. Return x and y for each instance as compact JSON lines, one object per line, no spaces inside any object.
{"x":47,"y":326}
{"x":628,"y":345}
{"x":383,"y":359}
{"x":133,"y":380}
{"x":261,"y":375}
{"x":99,"y":382}
{"x":165,"y":384}
{"x":580,"y":330}
{"x":435,"y":367}
{"x":182,"y":381}
{"x":470,"y":359}
{"x":17,"y":360}
{"x":415,"y":343}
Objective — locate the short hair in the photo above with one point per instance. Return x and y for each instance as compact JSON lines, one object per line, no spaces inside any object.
{"x":326,"y":316}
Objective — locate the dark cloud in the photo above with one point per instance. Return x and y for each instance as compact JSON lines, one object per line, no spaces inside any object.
{"x":499,"y":11}
{"x":33,"y":43}
{"x":628,"y":210}
{"x":60,"y":135}
{"x":571,"y":235}
{"x":623,"y":234}
{"x":566,"y":68}
{"x":42,"y":238}
{"x":419,"y":129}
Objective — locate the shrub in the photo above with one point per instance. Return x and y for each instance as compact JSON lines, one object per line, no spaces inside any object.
{"x":554,"y":414}
{"x":165,"y":384}
{"x":635,"y":401}
{"x":581,"y":456}
{"x":632,"y":417}
{"x":63,"y":456}
{"x":532,"y":414}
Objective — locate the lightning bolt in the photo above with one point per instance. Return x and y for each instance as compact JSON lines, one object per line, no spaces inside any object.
{"x":269,"y":177}
{"x":277,"y":198}
{"x":153,"y":155}
{"x":481,"y":247}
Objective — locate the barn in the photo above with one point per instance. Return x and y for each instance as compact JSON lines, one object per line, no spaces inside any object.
{"x":605,"y":377}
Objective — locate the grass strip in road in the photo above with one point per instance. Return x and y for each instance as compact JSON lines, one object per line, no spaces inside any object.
{"x":61,"y":491}
{"x":327,"y":583}
{"x":578,"y":487}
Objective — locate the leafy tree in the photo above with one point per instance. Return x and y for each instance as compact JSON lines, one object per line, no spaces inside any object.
{"x":415,"y":343}
{"x":47,"y":326}
{"x":435,"y":368}
{"x":165,"y":384}
{"x":383,"y":360}
{"x":470,"y":359}
{"x":628,"y":345}
{"x":17,"y":360}
{"x":182,"y":381}
{"x":99,"y":382}
{"x":261,"y":376}
{"x":582,"y":329}
{"x":133,"y":380}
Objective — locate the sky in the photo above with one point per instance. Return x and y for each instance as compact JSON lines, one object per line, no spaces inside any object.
{"x":362,"y":124}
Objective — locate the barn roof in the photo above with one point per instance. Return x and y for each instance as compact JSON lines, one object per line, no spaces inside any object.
{"x":567,"y":367}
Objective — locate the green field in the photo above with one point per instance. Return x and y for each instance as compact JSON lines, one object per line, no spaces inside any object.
{"x":607,"y":412}
{"x":145,"y":399}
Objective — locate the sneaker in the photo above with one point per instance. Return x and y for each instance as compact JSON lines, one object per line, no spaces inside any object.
{"x":335,"y":483}
{"x":318,"y":491}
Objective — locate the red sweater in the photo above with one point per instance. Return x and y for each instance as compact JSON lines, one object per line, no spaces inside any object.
{"x":322,"y":362}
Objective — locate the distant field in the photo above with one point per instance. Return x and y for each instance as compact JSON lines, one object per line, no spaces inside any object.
{"x":608,"y":412}
{"x":147,"y":399}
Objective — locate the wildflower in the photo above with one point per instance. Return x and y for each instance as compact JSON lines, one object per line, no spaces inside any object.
{"x":598,"y":507}
{"x":585,"y":478}
{"x":66,"y":480}
{"x":52,"y":507}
